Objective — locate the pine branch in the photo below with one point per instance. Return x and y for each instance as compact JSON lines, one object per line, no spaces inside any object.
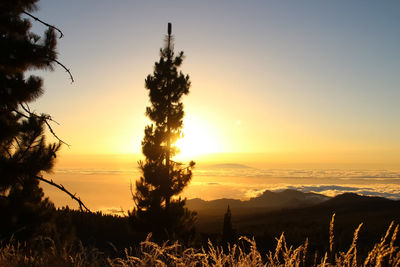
{"x":31,"y":140}
{"x":44,"y":23}
{"x":82,"y":206}
{"x":190,"y":165}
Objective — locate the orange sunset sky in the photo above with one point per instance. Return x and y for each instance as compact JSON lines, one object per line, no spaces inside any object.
{"x":292,"y":83}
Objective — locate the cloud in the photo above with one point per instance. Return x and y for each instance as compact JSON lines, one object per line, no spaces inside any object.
{"x":321,"y":188}
{"x":298,"y":173}
{"x":95,"y":171}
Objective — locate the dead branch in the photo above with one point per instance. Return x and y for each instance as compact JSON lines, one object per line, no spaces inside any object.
{"x":7,"y":151}
{"x":64,"y":67}
{"x":62,"y":188}
{"x":46,"y":118}
{"x":54,"y":134}
{"x":61,"y":35}
{"x":44,"y":23}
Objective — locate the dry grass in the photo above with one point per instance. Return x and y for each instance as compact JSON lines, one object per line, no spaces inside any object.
{"x":43,"y":252}
{"x":383,"y":253}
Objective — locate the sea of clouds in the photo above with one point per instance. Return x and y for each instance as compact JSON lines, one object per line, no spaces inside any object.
{"x":330,"y":182}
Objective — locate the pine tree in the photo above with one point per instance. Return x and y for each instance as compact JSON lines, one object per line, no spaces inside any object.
{"x":162,"y":178}
{"x":24,"y":152}
{"x":228,"y":233}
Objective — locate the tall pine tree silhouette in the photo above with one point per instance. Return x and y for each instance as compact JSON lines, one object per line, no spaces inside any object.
{"x":228,"y":233}
{"x":162,"y":178}
{"x":24,"y":152}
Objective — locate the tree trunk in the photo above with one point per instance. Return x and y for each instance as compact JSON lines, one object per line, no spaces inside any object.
{"x":168,"y":154}
{"x":167,"y":162}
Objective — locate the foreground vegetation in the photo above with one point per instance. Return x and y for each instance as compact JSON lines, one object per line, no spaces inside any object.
{"x":43,"y":252}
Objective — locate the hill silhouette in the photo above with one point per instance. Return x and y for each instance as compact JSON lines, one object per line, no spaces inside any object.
{"x":264,"y":217}
{"x":268,"y":200}
{"x":354,"y":200}
{"x":210,"y":213}
{"x":299,"y":214}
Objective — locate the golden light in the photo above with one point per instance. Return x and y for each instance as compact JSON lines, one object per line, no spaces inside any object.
{"x":198,"y":138}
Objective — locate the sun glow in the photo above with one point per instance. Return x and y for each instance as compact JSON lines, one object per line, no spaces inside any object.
{"x":198,"y":138}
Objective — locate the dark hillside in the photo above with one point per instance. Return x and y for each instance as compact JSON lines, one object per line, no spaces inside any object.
{"x":267,"y":201}
{"x":210,"y":213}
{"x":351,"y":209}
{"x":100,"y":230}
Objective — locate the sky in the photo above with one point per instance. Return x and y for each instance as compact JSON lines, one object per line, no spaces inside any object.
{"x":296,"y":82}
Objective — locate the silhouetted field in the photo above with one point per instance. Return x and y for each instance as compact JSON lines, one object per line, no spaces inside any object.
{"x":101,"y":239}
{"x":384,"y":252}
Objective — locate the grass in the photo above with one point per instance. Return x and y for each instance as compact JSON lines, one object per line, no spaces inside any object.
{"x":245,"y":253}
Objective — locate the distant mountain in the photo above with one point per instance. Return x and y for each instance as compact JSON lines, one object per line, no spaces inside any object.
{"x":347,"y":198}
{"x":354,"y":201}
{"x":287,"y":199}
{"x":267,"y":201}
{"x":219,"y":205}
{"x":229,"y":166}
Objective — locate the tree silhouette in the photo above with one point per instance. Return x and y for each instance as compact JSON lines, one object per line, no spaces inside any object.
{"x":228,"y":233}
{"x":162,"y":178}
{"x":24,"y":152}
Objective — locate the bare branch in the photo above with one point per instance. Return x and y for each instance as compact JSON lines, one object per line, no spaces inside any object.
{"x":27,"y":107}
{"x":64,"y":67}
{"x":61,"y":35}
{"x":7,"y":151}
{"x":44,"y":23}
{"x":20,"y":113}
{"x":62,"y":188}
{"x":46,"y":118}
{"x":16,"y":141}
{"x":54,"y":134}
{"x":51,"y":119}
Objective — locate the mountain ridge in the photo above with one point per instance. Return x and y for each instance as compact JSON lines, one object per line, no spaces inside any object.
{"x":268,"y":200}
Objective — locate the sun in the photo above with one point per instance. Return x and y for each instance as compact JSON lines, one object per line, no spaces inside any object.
{"x":198,"y":138}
